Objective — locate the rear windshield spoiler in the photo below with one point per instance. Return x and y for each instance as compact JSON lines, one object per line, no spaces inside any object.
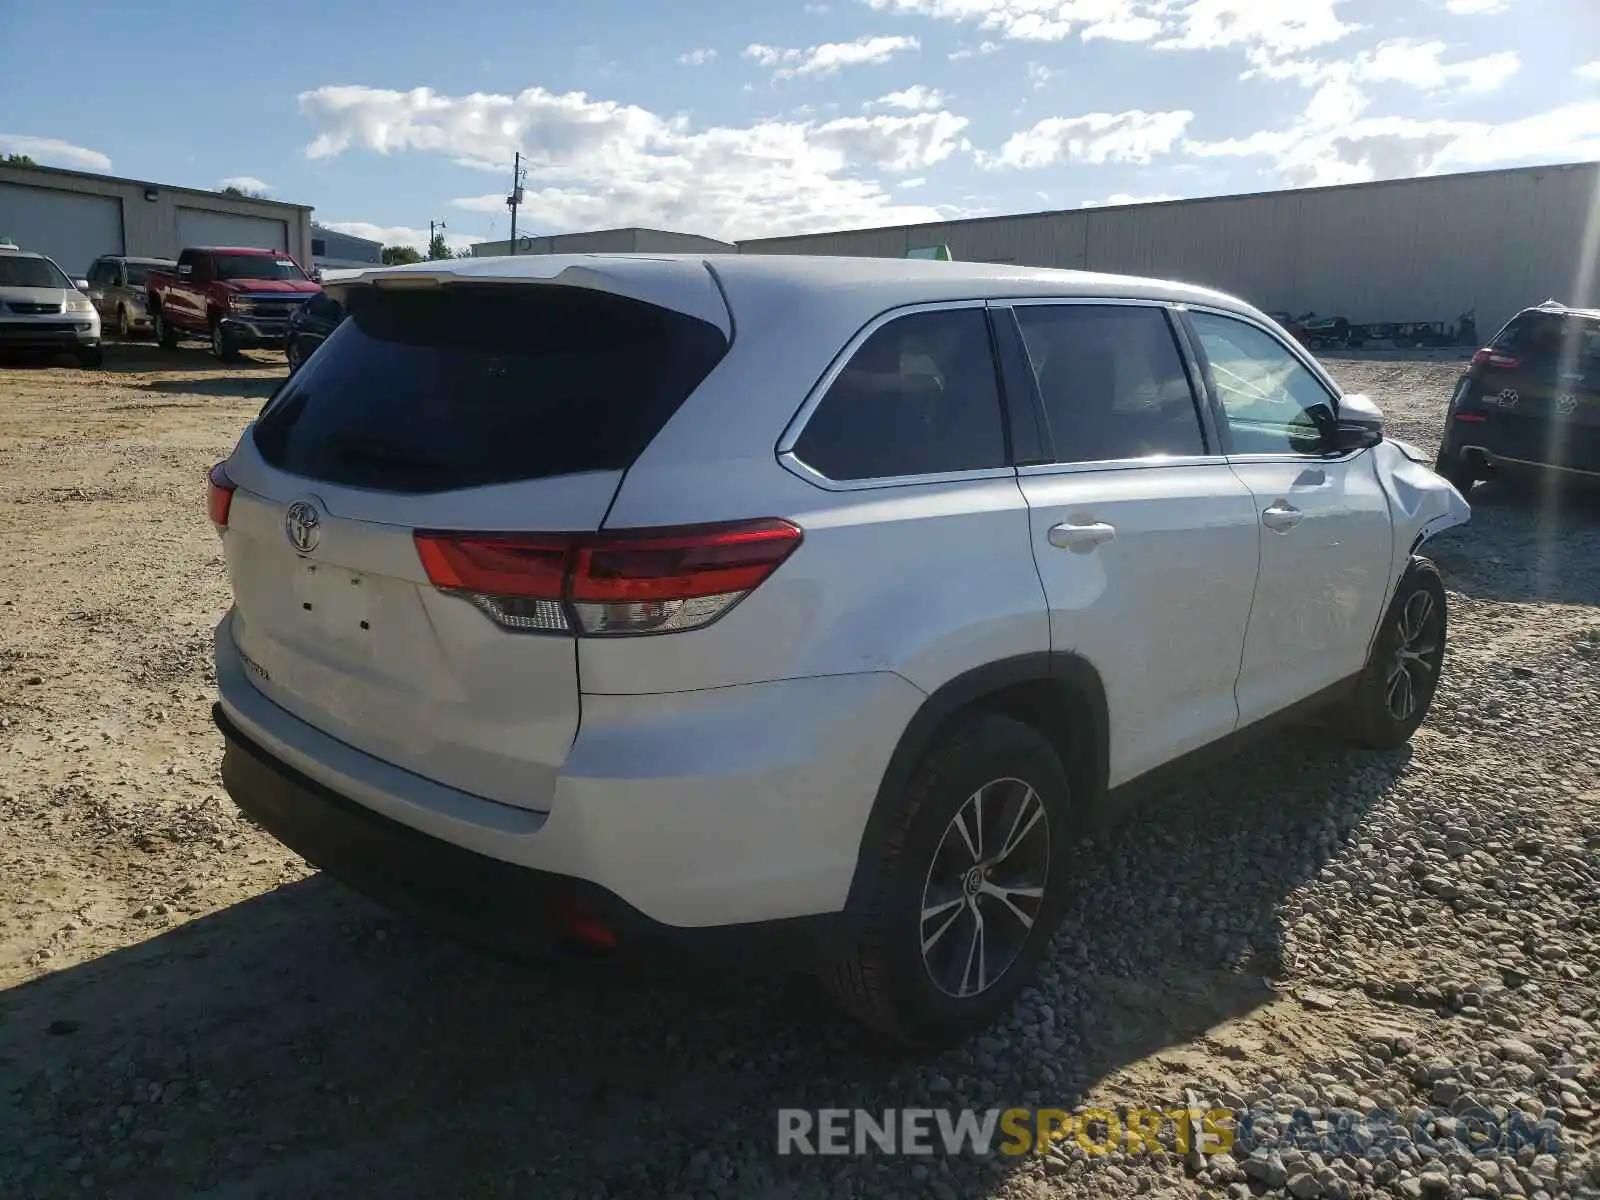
{"x":684,"y":285}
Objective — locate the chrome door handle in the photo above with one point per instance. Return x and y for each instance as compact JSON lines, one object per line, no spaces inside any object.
{"x":1067,"y":536}
{"x":1282,"y":517}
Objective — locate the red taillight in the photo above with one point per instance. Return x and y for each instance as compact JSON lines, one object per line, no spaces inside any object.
{"x":1472,"y":418}
{"x":1490,"y":357}
{"x":646,"y":581}
{"x":219,"y":495}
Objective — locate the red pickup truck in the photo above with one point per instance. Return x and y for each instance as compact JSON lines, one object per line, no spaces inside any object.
{"x":237,"y":298}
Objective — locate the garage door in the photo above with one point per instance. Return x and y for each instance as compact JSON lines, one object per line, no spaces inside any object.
{"x":197,"y":227}
{"x":71,"y":228}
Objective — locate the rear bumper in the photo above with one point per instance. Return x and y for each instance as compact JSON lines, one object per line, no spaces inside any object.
{"x":487,"y":902}
{"x":727,"y":821}
{"x":1516,"y":444}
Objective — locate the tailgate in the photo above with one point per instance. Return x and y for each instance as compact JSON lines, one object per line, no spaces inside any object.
{"x":350,"y":637}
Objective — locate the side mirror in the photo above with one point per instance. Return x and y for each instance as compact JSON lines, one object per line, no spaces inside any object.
{"x":1359,"y":425}
{"x":81,"y":284}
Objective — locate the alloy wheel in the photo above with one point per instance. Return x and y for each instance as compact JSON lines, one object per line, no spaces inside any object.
{"x":1414,"y":668}
{"x":985,"y":887}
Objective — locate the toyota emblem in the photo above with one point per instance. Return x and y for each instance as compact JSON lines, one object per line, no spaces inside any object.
{"x":303,"y":526}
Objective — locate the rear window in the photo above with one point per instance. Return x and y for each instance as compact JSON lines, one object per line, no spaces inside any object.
{"x":465,"y":386}
{"x":1547,"y":337}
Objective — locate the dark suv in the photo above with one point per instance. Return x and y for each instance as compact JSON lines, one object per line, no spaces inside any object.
{"x":1529,"y":401}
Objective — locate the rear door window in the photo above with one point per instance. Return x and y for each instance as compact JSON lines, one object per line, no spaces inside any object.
{"x":1112,"y":382}
{"x":466,"y":386}
{"x":919,"y":397}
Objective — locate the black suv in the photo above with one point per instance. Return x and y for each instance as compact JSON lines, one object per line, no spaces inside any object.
{"x":1529,"y":401}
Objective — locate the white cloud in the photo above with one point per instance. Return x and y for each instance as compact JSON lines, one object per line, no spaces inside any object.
{"x":1397,"y":147}
{"x":1044,"y":20}
{"x":1275,"y":26}
{"x":400,"y":235}
{"x":1283,"y":26}
{"x":830,"y":57}
{"x":895,"y":143}
{"x":698,"y":57}
{"x":1473,"y":8}
{"x":915,"y":98}
{"x":595,"y":163}
{"x":907,"y":184}
{"x":53,"y":152}
{"x":982,"y":49}
{"x":247,"y":183}
{"x":1589,"y":71}
{"x":1039,"y":75}
{"x":1135,"y":136}
{"x":1119,"y":199}
{"x":1421,"y":65}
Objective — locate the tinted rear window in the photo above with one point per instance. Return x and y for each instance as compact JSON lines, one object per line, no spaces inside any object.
{"x":464,"y":386}
{"x":1548,"y":337}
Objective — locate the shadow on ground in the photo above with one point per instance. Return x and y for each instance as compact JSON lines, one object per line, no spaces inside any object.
{"x":234,"y":387}
{"x":303,"y":1042}
{"x":1529,"y":541}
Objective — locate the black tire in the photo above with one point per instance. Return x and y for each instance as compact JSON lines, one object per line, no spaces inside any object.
{"x":222,"y":343}
{"x":90,"y":356}
{"x":1370,"y":717}
{"x":295,"y":356}
{"x":886,"y":982}
{"x":124,"y":330}
{"x":1455,"y":470}
{"x":166,"y":335}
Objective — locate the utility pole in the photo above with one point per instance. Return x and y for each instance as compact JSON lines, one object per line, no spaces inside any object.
{"x":516,"y":196}
{"x":431,"y":227}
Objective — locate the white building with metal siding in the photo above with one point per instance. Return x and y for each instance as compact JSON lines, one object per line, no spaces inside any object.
{"x":609,"y":241}
{"x":1423,"y":249}
{"x":75,"y":217}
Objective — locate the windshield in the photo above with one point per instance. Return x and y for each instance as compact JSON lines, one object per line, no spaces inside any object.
{"x":256,"y":266}
{"x":139,"y":272}
{"x":17,"y":271}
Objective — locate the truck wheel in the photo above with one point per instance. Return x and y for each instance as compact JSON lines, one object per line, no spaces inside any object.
{"x":166,"y":335}
{"x":222,"y":344}
{"x":1402,"y":673}
{"x":969,"y":887}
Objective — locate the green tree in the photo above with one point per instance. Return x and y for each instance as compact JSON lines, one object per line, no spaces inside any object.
{"x":437,"y":248}
{"x":242,"y":193}
{"x":400,"y":256}
{"x":18,"y":160}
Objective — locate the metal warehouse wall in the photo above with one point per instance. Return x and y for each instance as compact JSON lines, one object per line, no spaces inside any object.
{"x":150,"y":225}
{"x":609,"y":241}
{"x":1409,"y":250}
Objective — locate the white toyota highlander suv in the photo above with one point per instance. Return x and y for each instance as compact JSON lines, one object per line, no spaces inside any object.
{"x":798,"y":610}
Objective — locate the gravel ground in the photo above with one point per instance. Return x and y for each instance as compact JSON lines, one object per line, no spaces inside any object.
{"x":189,"y":1010}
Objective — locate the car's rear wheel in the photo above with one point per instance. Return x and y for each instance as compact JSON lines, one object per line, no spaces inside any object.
{"x":1397,"y":687}
{"x":967,"y":889}
{"x":124,"y":331}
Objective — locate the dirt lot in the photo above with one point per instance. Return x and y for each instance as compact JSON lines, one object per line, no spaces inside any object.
{"x":187,"y":1009}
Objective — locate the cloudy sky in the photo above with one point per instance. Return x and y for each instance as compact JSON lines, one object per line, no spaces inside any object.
{"x":737,"y":119}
